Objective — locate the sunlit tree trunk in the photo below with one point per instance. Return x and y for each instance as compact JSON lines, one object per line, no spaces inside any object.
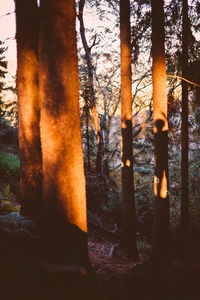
{"x":92,"y":98}
{"x":129,"y":215}
{"x":64,"y":203}
{"x":28,"y":106}
{"x":184,"y":128}
{"x":161,"y":222}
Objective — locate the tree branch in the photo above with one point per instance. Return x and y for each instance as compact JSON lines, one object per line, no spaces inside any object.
{"x":179,"y":77}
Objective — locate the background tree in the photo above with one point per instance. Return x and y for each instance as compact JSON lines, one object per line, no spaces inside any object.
{"x":28,"y":106}
{"x":86,"y":114}
{"x":184,"y":127}
{"x":161,"y":219}
{"x":129,"y":216}
{"x":92,"y":97}
{"x":63,"y":218}
{"x":3,"y":71}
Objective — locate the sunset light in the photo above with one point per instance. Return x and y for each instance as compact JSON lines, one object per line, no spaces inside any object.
{"x":99,"y":149}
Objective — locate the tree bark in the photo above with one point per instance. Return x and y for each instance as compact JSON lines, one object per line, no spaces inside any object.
{"x":161,"y":220}
{"x":184,"y":127}
{"x":64,"y":205}
{"x":88,"y":137}
{"x":92,"y":98}
{"x":129,"y":215}
{"x":28,"y":107}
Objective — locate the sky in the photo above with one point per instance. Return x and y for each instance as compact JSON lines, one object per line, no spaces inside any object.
{"x":7,"y":32}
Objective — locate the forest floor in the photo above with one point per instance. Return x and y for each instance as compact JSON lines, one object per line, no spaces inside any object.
{"x":123,"y":278}
{"x":115,"y":277}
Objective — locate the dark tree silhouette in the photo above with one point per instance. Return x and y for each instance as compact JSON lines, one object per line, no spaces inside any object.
{"x":3,"y":71}
{"x":92,"y":98}
{"x":28,"y":106}
{"x":129,"y":215}
{"x":184,"y":127}
{"x":86,"y":111}
{"x":161,"y":222}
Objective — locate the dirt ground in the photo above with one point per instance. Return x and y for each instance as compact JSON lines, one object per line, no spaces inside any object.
{"x":123,"y":278}
{"x":114,"y":277}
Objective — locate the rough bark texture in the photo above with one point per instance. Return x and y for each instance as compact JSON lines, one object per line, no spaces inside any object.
{"x":184,"y":127}
{"x":64,"y":203}
{"x":28,"y":106}
{"x":129,"y":215}
{"x":161,"y":221}
{"x":92,"y":98}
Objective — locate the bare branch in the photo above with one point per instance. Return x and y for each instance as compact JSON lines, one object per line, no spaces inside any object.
{"x":8,"y":14}
{"x":179,"y":77}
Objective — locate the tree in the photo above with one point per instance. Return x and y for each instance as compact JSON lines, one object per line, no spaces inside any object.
{"x":63,"y":218}
{"x":184,"y":115}
{"x":129,"y":215}
{"x":92,"y":98}
{"x":86,"y":113}
{"x":161,"y":219}
{"x":28,"y":106}
{"x":3,"y":66}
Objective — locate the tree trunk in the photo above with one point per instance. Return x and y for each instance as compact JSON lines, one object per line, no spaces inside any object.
{"x":92,"y":98}
{"x":88,"y":137}
{"x":161,"y":220}
{"x":184,"y":127}
{"x":63,"y":219}
{"x":28,"y":106}
{"x":129,"y":215}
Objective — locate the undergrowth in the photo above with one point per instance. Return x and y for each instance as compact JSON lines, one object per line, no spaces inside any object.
{"x":9,"y":165}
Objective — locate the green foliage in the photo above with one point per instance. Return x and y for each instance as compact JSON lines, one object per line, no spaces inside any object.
{"x":113,"y":201}
{"x":6,"y":195}
{"x":143,"y":187}
{"x":7,"y":201}
{"x":9,"y":165}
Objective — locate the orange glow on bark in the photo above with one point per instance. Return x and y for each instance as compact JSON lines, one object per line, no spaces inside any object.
{"x":163,"y":188}
{"x":160,"y":187}
{"x":28,"y":107}
{"x":63,"y":179}
{"x":156,"y":182}
{"x":160,"y":95}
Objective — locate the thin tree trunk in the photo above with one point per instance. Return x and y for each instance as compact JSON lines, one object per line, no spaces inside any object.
{"x":184,"y":127}
{"x":129,"y":215}
{"x":88,"y":138}
{"x":64,"y":205}
{"x":161,"y":221}
{"x":92,"y":98}
{"x":28,"y":106}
